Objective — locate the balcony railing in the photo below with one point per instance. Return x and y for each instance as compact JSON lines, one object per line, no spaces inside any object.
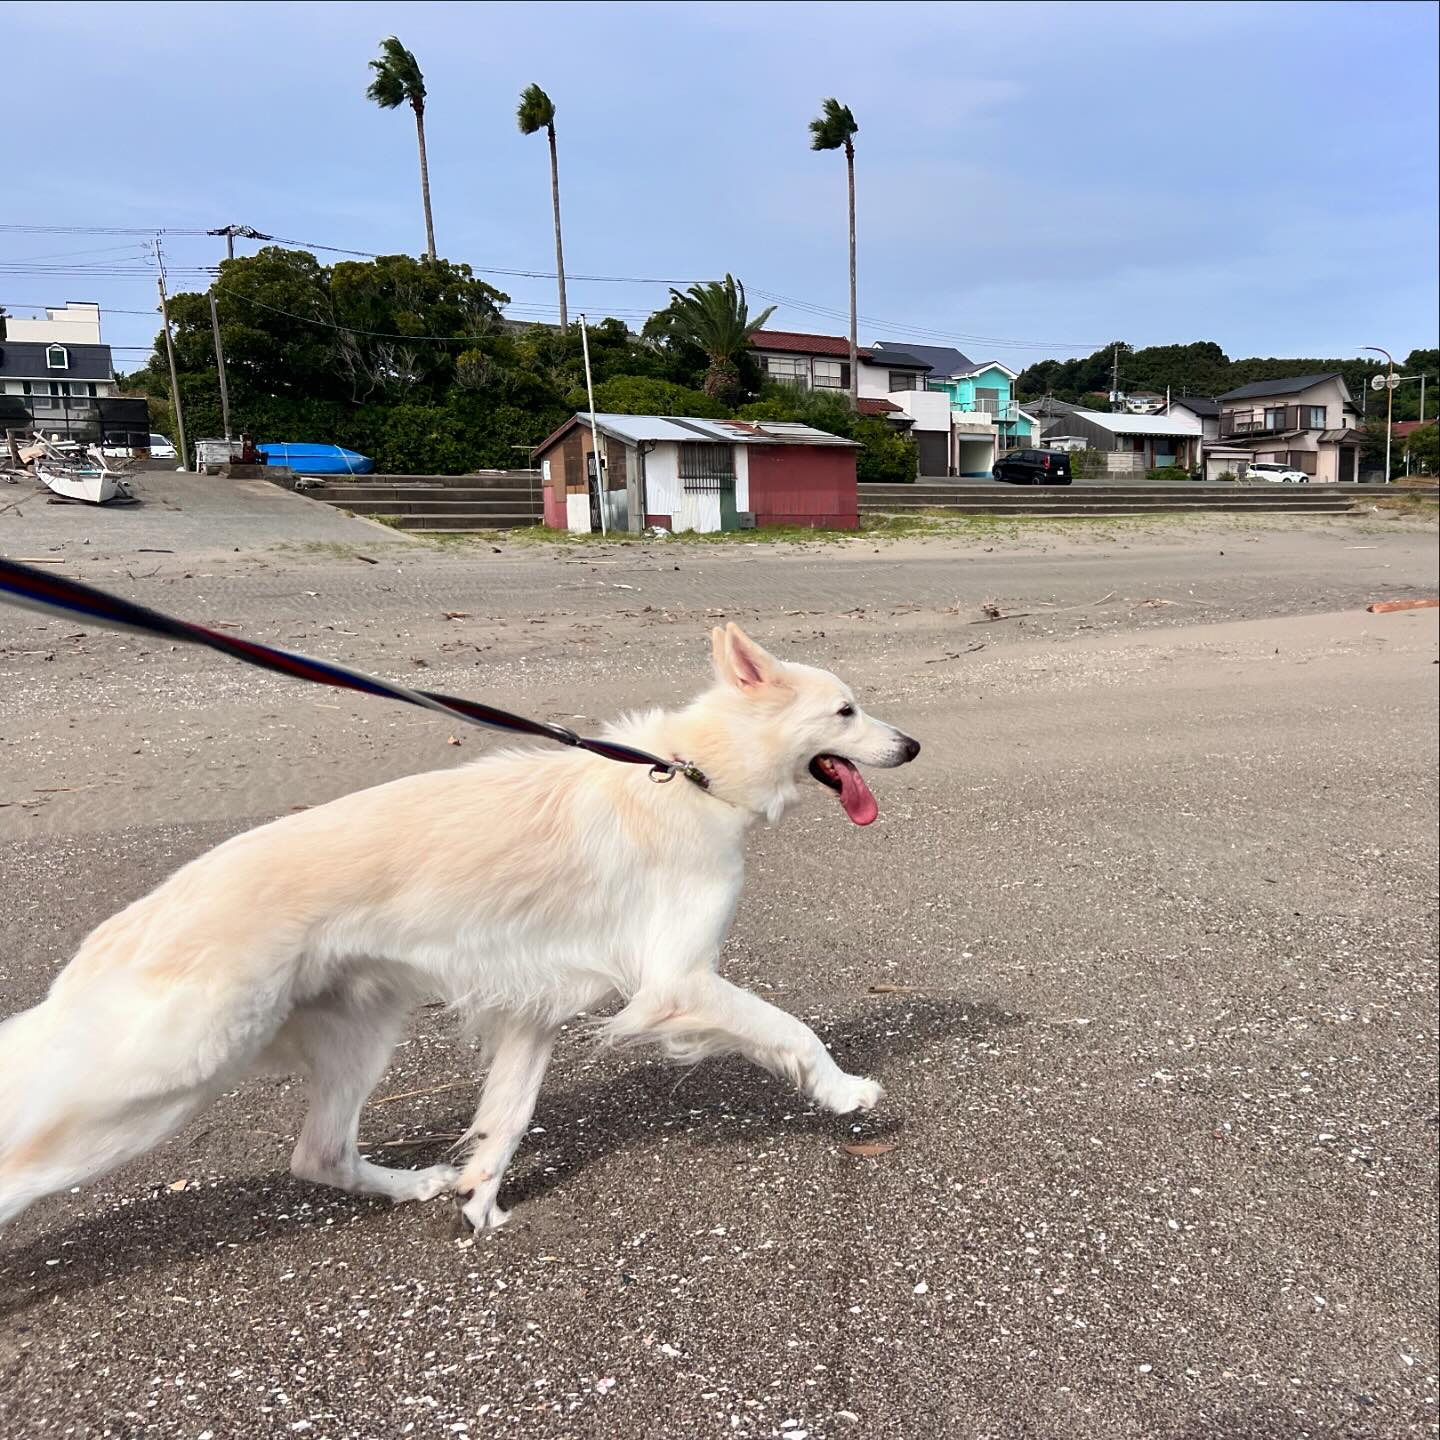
{"x":804,"y":382}
{"x":994,"y":409}
{"x":1272,"y":420}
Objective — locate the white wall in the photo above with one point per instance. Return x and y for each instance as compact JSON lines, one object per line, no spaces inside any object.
{"x":72,"y":324}
{"x":929,"y":409}
{"x":874,"y":381}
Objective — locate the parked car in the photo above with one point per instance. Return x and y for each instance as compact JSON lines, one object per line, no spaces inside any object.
{"x":162,"y":448}
{"x":1033,"y":467}
{"x":308,"y":459}
{"x":1276,"y":473}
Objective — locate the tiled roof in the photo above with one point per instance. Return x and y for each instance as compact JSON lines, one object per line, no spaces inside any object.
{"x":796,"y":342}
{"x":875,"y":406}
{"x":1290,"y":386}
{"x":943,"y":360}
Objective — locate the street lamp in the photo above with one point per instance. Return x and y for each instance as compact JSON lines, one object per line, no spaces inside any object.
{"x":1388,"y":385}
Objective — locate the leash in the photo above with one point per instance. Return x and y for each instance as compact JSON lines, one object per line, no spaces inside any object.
{"x":55,"y":595}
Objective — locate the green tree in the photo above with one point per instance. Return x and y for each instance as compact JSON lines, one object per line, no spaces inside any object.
{"x":1423,"y":447}
{"x":397,"y":82}
{"x":537,"y":112}
{"x":715,"y":318}
{"x":835,"y":129}
{"x":646,"y":395}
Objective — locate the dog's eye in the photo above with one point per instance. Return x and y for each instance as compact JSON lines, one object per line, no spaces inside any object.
{"x":846,"y":711}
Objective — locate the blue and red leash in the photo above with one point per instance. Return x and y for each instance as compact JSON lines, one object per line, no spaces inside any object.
{"x":56,"y":595}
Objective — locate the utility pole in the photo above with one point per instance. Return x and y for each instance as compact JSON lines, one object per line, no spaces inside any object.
{"x":1115,"y":380}
{"x":594,"y":429}
{"x":1389,"y":402}
{"x":170,"y":353}
{"x":220,"y":366}
{"x":245,"y":232}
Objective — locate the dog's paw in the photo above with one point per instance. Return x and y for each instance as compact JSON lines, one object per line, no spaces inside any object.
{"x":479,"y":1212}
{"x":427,"y":1184}
{"x":847,"y":1093}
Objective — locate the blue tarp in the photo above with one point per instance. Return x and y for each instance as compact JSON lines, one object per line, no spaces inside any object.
{"x":305,"y":459}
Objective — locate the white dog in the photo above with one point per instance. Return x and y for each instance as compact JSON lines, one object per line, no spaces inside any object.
{"x":524,"y":889}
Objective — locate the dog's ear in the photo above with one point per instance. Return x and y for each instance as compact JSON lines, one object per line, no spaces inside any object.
{"x":740,"y":662}
{"x":718,"y":656}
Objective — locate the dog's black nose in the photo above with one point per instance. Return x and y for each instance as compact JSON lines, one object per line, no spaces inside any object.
{"x":912,"y":748}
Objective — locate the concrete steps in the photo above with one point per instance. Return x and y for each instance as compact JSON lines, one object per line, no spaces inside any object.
{"x":1098,"y":498}
{"x":501,"y":500}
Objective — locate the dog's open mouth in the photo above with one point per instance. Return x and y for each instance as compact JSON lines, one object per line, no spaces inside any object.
{"x":846,"y":781}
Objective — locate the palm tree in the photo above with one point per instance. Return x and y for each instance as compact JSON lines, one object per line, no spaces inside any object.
{"x":398,"y":81}
{"x":834,"y":129}
{"x":537,"y":112}
{"x":715,"y":317}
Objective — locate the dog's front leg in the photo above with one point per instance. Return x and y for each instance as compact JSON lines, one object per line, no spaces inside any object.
{"x":707,"y":1015}
{"x":522,"y":1052}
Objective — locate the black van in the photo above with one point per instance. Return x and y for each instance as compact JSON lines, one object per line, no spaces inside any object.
{"x":1033,"y":467}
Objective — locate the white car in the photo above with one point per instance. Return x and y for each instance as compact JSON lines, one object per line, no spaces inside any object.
{"x":162,"y":448}
{"x":1279,"y":474}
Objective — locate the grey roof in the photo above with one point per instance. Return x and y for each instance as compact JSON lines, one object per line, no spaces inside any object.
{"x":634,"y":428}
{"x":1197,"y":405}
{"x":942,"y":359}
{"x":25,"y":360}
{"x":1048,"y":405}
{"x":1140,"y":424}
{"x":1291,"y":386}
{"x":905,"y":359}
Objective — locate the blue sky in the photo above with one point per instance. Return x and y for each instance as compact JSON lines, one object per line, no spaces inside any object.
{"x":1047,"y":177}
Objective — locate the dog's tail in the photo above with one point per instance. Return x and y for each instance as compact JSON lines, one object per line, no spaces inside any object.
{"x":26,"y":1045}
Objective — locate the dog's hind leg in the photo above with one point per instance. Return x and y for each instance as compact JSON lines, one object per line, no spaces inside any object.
{"x":344,"y":1040}
{"x":706,"y":1015}
{"x":522,"y":1051}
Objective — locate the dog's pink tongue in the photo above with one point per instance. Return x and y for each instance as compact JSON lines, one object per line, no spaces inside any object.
{"x":855,"y":794}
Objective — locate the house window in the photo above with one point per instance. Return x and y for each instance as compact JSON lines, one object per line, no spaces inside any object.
{"x":786,"y":369}
{"x":830,"y":375}
{"x":1306,"y":460}
{"x":1314,"y":417}
{"x":51,"y":395}
{"x":902,"y":380}
{"x":57,"y":357}
{"x":987,"y":399}
{"x":1274,"y":417}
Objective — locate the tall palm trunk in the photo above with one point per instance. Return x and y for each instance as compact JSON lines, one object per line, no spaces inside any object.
{"x":559,"y":248}
{"x":424,"y":179}
{"x":854,"y":368}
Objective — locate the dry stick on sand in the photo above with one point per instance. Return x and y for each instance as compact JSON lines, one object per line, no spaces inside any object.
{"x":411,"y":1094}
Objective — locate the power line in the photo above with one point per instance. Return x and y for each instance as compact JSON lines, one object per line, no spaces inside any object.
{"x":804,"y":306}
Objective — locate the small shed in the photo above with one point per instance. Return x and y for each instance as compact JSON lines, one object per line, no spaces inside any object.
{"x":683,"y":473}
{"x":1134,"y":443}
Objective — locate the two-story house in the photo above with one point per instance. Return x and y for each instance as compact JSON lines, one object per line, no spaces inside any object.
{"x":891,"y":387}
{"x":1309,"y":422}
{"x":58,"y":375}
{"x":986,"y":419}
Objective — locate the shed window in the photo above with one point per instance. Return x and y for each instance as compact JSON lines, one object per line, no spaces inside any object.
{"x":706,"y":468}
{"x":57,"y":357}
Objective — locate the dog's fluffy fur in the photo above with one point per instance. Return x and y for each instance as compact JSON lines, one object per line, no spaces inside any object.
{"x":524,"y":889}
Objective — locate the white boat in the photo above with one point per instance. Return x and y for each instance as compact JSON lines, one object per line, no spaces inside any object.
{"x":75,"y":475}
{"x":89,"y":483}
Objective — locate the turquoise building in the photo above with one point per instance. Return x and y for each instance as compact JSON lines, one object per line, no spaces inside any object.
{"x":986,"y":417}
